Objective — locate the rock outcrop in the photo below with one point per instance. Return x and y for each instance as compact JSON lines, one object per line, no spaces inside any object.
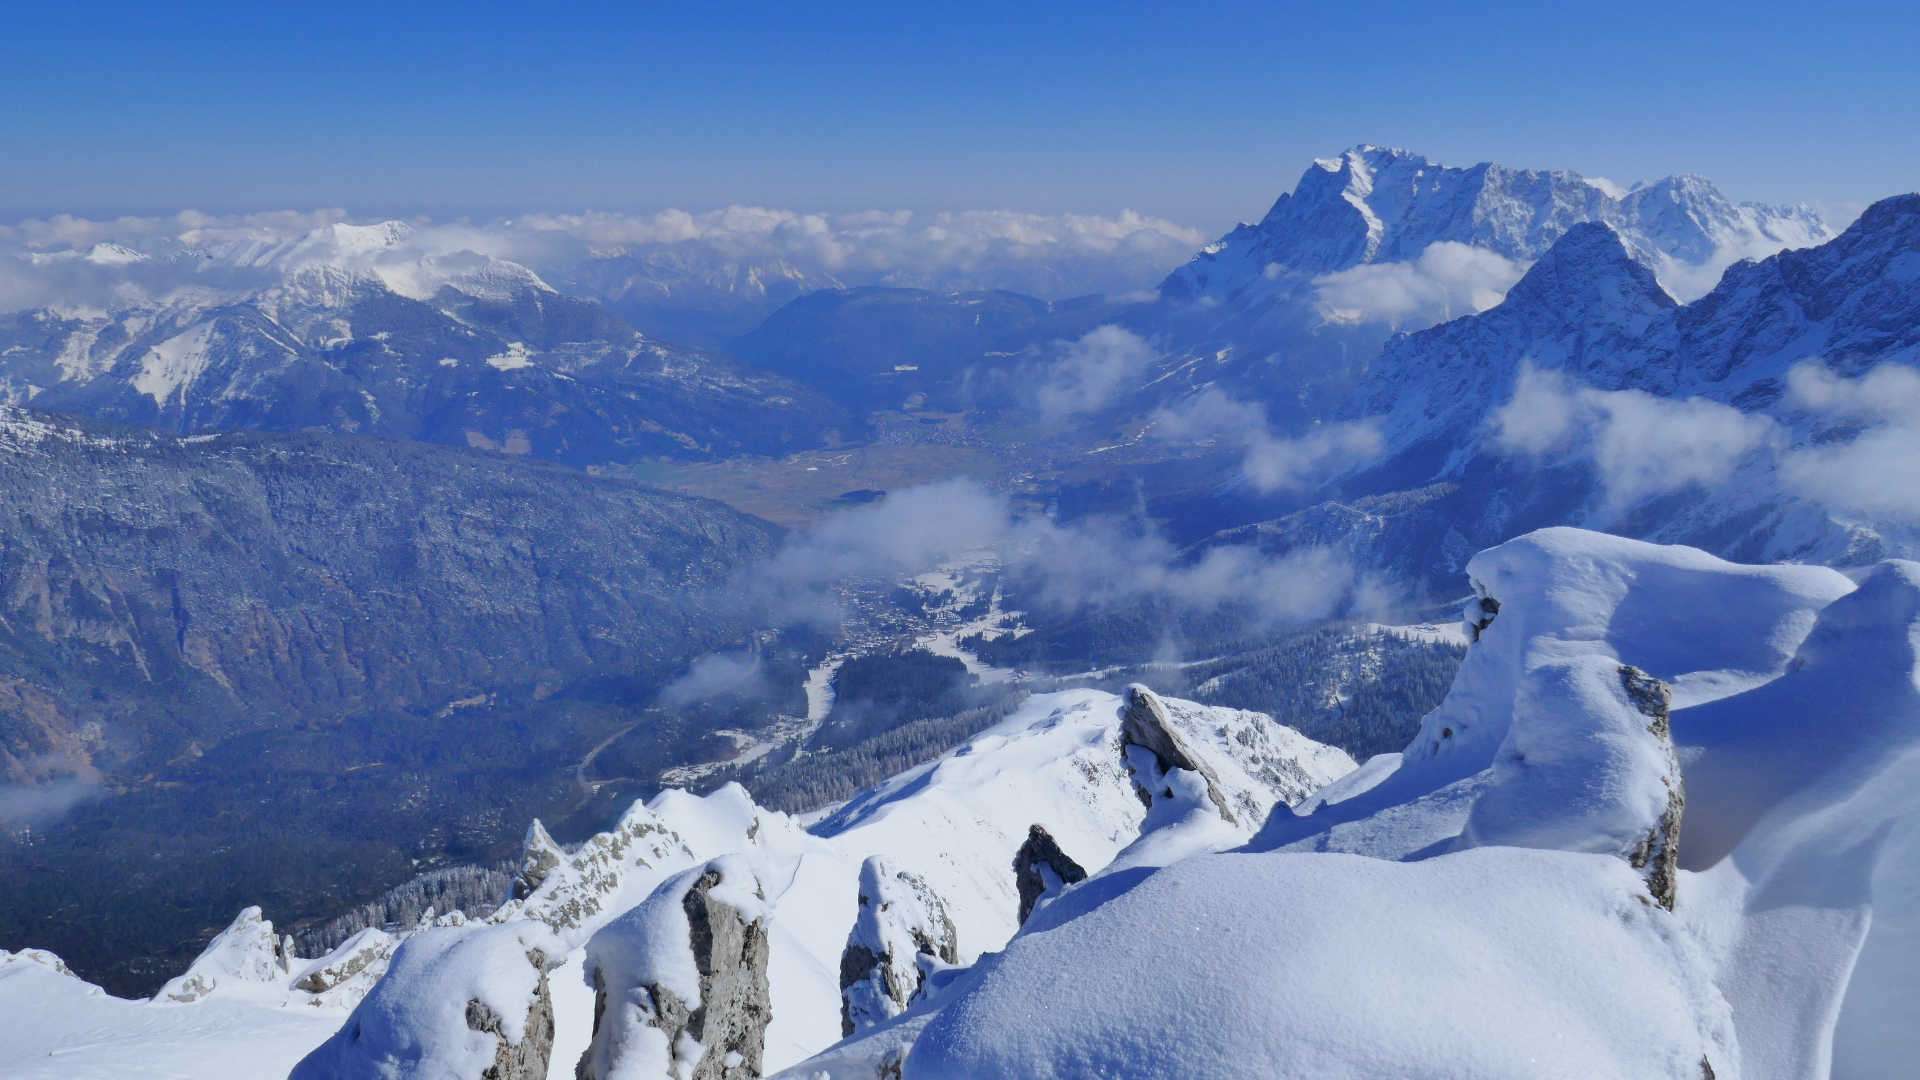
{"x":1657,"y":856}
{"x":1146,"y":725}
{"x":539,"y":856}
{"x":458,"y":1002}
{"x":1040,"y":867}
{"x":680,"y":982}
{"x":902,"y":931}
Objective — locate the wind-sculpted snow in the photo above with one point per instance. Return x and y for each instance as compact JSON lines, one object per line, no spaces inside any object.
{"x":460,"y":1003}
{"x":1473,"y":907}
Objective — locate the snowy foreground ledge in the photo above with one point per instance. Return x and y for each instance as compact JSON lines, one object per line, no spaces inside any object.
{"x":1662,"y":826}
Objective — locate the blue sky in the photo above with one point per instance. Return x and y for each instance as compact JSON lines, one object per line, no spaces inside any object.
{"x":1198,"y":112}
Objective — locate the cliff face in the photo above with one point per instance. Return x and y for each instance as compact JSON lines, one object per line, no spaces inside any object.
{"x":231,"y":625}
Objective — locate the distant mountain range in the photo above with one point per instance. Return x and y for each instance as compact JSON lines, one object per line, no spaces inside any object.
{"x":346,"y":330}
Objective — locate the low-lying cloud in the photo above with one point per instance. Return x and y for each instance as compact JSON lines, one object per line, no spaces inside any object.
{"x":35,"y":804}
{"x":1096,"y":564}
{"x":1089,"y":374}
{"x":715,"y":674}
{"x":1447,"y":281}
{"x":1641,"y":445}
{"x":1272,"y":462}
{"x":1877,"y":471}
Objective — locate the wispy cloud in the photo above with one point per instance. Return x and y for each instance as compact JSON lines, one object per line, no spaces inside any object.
{"x":1089,"y":374}
{"x":1447,"y":281}
{"x":1272,"y":462}
{"x":1095,"y":564}
{"x":1641,"y":445}
{"x":1876,"y":472}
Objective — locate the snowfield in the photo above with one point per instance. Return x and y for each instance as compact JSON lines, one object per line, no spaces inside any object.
{"x":1665,"y":825}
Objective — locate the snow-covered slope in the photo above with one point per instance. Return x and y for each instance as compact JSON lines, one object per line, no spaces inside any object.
{"x":955,"y":824}
{"x":1474,"y":906}
{"x":369,"y":329}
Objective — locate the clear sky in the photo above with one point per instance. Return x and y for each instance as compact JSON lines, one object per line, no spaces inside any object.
{"x":1201,"y":112}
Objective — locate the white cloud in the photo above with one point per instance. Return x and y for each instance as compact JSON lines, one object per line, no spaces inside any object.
{"x":1093,"y":564}
{"x":1640,"y":444}
{"x":1447,"y":281}
{"x":1272,"y":462}
{"x":715,"y":674}
{"x":1877,"y":472}
{"x":1053,"y":256}
{"x":31,"y":805}
{"x":1089,"y":374}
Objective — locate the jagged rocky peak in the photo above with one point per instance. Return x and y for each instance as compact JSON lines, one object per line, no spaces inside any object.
{"x":901,"y":934}
{"x":572,"y":896}
{"x":464,"y":1003}
{"x":1591,"y":270}
{"x":1373,"y":204}
{"x":539,"y":856}
{"x":1145,"y":725}
{"x":1041,"y":869}
{"x":680,"y":982}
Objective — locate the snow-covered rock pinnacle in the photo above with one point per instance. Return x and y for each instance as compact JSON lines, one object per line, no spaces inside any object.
{"x":680,"y":982}
{"x":464,"y":1003}
{"x":902,"y":930}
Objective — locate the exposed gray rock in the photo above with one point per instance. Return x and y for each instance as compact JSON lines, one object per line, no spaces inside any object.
{"x":901,"y":931}
{"x":1145,"y":724}
{"x":538,"y":858}
{"x":1040,"y":867}
{"x":707,"y":1004}
{"x":444,"y":984}
{"x":1479,"y":615}
{"x":1657,"y":856}
{"x":526,"y":1059}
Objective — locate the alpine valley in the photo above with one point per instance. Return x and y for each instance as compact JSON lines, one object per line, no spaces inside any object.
{"x":1461,"y":625}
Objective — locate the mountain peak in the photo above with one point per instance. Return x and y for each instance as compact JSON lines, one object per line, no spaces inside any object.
{"x":1589,"y":264}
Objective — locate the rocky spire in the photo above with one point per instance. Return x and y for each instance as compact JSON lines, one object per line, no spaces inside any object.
{"x":901,"y":931}
{"x":1657,"y":855}
{"x":680,"y":982}
{"x":1040,"y":868}
{"x":1146,"y":725}
{"x":538,"y":858}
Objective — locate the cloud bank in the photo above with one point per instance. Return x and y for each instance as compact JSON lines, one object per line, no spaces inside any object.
{"x":739,"y":247}
{"x":1848,"y":445}
{"x":1096,"y":564}
{"x":1877,"y":471}
{"x":1640,"y":444}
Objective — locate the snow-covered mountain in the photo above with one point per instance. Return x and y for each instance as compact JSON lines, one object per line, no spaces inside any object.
{"x":1662,"y":826}
{"x":356,"y":329}
{"x":1288,"y":312}
{"x":1374,"y":206}
{"x":1590,"y":396}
